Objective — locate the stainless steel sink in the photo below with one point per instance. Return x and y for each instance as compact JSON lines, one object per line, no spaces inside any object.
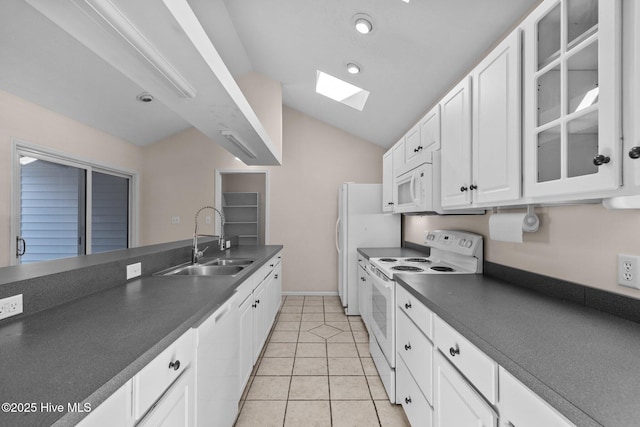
{"x":230,"y":261}
{"x":215,"y":267}
{"x":205,"y":270}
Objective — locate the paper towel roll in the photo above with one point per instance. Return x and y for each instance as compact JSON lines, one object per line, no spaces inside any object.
{"x":509,"y":227}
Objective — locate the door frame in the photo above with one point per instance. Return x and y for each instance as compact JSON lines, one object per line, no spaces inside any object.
{"x":267,"y":186}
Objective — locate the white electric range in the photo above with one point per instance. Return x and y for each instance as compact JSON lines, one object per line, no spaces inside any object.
{"x":451,"y":252}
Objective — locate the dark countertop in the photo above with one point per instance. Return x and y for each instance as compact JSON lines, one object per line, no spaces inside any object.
{"x":389,"y":252}
{"x":84,"y":350}
{"x":583,"y":362}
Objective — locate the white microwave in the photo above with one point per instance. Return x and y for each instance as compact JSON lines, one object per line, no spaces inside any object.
{"x":414,"y":190}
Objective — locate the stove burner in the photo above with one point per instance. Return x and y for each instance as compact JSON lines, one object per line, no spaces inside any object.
{"x":388,"y":260}
{"x":407,"y":268}
{"x":417,"y":260}
{"x":441,"y":268}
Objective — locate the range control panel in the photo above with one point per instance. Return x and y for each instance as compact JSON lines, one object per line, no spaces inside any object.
{"x":460,"y":242}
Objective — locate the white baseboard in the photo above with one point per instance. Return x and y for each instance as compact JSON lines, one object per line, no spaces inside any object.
{"x":309,"y":294}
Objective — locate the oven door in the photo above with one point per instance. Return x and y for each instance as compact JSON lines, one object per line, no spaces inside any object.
{"x":414,"y":190}
{"x":383,"y":315}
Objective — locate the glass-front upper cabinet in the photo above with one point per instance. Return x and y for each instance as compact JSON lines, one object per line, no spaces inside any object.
{"x":572,"y":77}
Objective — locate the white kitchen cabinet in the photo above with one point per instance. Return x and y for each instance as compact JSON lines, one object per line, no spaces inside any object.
{"x":217,"y":367}
{"x":416,"y":351}
{"x":496,"y":121}
{"x":364,"y":292}
{"x":412,"y":144}
{"x":115,"y":411}
{"x":398,"y":156}
{"x":164,"y":390}
{"x":572,"y":78}
{"x":456,"y":403}
{"x":387,"y":181}
{"x":260,"y":297}
{"x":456,"y":146}
{"x":480,"y":369}
{"x":176,"y":407}
{"x":245,"y":336}
{"x":418,"y":410}
{"x":520,"y":407}
{"x":260,"y":327}
{"x":481,"y":139}
{"x":430,"y":131}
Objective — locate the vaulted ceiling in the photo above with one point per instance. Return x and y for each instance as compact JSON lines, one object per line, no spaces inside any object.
{"x":416,"y":51}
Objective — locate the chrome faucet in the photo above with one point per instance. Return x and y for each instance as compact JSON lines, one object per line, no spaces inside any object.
{"x":195,"y":253}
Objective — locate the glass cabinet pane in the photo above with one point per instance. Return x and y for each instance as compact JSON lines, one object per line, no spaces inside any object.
{"x":582,"y":145}
{"x":549,"y":96}
{"x":582,"y":78}
{"x":549,"y":155}
{"x":549,"y":37}
{"x":582,"y":20}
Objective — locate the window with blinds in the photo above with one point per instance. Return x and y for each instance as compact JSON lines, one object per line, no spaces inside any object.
{"x":69,"y":209}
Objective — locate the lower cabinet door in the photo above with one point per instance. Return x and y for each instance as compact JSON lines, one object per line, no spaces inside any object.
{"x":456,"y":403}
{"x":245,"y":335}
{"x":115,"y":411}
{"x":415,"y":405}
{"x":176,"y":408}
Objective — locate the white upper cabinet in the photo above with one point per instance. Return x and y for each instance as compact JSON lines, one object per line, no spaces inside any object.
{"x":496,"y":112}
{"x":456,"y":145}
{"x":398,"y":156}
{"x":430,"y":131}
{"x":481,"y":137}
{"x":412,"y":146}
{"x":387,"y":181}
{"x":572,"y":102}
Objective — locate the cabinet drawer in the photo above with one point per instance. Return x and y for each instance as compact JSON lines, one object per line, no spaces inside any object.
{"x":416,"y":352}
{"x":152,"y":381}
{"x":418,"y":410}
{"x":362,"y":261}
{"x":245,"y":289}
{"x":417,"y":311}
{"x":479,"y":368}
{"x":523,"y":408}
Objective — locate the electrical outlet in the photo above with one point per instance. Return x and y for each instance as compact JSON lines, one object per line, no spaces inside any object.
{"x":175,"y":220}
{"x":227,"y":244}
{"x":628,"y":273}
{"x":10,"y":306}
{"x":134,"y":270}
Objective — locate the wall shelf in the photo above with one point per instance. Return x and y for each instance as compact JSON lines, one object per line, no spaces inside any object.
{"x":241,"y":213}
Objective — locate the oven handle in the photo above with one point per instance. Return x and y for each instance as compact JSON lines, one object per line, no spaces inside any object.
{"x":379,"y":282}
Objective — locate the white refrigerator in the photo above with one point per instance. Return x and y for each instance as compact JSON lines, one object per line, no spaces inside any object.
{"x":360,"y":224}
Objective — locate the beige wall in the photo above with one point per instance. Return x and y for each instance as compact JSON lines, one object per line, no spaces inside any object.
{"x":576,"y":243}
{"x":265,"y":97}
{"x":33,"y":124}
{"x":179,"y":175}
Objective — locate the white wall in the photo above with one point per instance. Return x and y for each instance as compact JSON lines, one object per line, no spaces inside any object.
{"x":577,"y":243}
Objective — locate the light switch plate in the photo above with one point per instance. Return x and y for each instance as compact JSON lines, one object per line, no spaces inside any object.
{"x":134,"y":270}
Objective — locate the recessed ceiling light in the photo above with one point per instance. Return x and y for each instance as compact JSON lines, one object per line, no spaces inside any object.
{"x":353,"y":68}
{"x":363,"y":25}
{"x":144,"y":97}
{"x":341,"y":91}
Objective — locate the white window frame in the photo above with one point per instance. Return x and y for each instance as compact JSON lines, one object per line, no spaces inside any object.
{"x":23,"y":148}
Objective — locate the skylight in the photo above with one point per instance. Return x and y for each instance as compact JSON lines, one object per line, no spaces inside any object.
{"x":341,"y":91}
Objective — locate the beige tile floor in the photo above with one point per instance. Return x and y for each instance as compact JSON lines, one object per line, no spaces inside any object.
{"x":316,"y":370}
